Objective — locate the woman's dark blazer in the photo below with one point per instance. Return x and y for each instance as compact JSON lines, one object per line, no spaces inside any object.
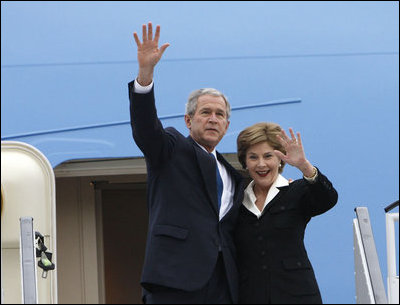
{"x":272,"y":260}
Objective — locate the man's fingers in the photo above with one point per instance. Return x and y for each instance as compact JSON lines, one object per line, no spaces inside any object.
{"x":135,"y":35}
{"x":150,"y":33}
{"x":144,"y":31}
{"x":163,"y":48}
{"x":157,"y":35}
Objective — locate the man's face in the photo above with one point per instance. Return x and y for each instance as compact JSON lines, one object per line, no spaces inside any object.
{"x":209,"y":123}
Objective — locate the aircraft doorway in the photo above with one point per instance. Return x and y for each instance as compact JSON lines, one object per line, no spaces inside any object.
{"x":124,"y":230}
{"x":102,"y":223}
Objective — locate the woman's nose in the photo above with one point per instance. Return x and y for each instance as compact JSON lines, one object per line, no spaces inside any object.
{"x":261,"y":162}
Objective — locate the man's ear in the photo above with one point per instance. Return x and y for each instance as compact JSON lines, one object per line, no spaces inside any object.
{"x":188,"y":121}
{"x":227,"y":126}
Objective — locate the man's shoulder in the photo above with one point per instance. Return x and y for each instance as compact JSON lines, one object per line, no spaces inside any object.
{"x":174,"y":131}
{"x":177,"y":135}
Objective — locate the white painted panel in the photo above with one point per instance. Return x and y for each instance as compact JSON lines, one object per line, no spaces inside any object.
{"x":28,"y":185}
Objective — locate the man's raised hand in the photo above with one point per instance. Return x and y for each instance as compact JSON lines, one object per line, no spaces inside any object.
{"x":148,"y":53}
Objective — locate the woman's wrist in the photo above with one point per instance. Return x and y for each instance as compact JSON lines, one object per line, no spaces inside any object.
{"x":313,"y":175}
{"x":308,"y":170}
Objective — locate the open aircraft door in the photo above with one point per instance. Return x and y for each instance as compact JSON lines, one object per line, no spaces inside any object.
{"x":27,"y":193}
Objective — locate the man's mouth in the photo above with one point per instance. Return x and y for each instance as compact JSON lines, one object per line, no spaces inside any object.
{"x":212,"y":129}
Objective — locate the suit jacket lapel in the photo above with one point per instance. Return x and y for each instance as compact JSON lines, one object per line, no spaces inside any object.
{"x":282,"y":191}
{"x":207,"y":170}
{"x":236,"y":177}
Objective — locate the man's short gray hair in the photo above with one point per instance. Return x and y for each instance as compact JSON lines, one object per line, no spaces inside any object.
{"x":191,"y":105}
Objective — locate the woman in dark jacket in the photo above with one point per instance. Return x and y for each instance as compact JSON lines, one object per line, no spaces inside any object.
{"x":273,"y":264}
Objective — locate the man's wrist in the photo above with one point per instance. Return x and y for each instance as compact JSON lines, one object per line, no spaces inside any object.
{"x":145,"y":76}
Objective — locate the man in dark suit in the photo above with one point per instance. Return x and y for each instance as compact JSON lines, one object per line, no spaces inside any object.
{"x":194,"y":194}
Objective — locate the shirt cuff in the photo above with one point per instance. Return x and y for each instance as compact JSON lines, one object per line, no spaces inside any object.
{"x":143,"y":89}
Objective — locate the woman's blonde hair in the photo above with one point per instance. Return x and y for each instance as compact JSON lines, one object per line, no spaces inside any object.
{"x":258,"y":133}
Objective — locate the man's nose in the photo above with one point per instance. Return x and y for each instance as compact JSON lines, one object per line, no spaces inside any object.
{"x":212,"y":118}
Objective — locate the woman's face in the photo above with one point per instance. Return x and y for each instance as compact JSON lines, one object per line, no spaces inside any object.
{"x":262,"y":164}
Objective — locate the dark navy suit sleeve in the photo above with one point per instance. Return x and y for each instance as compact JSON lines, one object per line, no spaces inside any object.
{"x":154,"y":141}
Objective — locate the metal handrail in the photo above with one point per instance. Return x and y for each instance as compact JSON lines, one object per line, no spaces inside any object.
{"x":392,"y":206}
{"x":392,"y":277}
